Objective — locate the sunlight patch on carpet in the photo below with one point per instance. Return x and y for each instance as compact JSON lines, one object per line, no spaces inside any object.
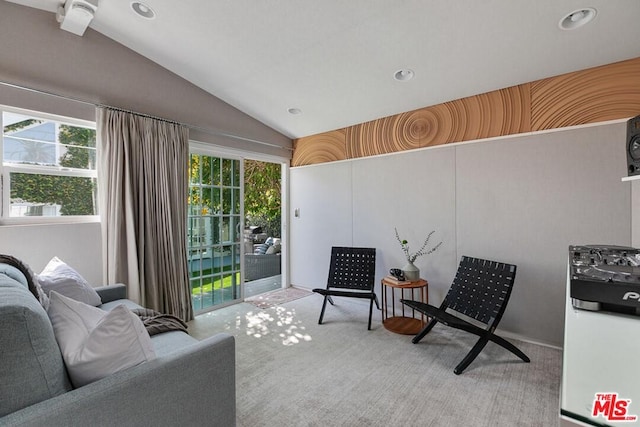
{"x":280,"y":321}
{"x":277,"y":297}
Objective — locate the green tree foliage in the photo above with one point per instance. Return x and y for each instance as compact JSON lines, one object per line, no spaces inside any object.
{"x":262,"y":196}
{"x":76,"y":195}
{"x":261,"y":191}
{"x":205,"y":179}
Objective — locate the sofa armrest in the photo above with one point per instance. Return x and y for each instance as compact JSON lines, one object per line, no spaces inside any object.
{"x":112,"y":292}
{"x":166,"y":391}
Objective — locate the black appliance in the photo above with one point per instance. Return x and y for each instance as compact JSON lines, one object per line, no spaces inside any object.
{"x":605,"y":278}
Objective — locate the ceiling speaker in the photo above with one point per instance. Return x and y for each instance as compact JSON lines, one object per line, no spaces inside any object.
{"x":633,"y":146}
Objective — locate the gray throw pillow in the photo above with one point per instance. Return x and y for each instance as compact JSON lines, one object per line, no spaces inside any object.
{"x":96,"y":343}
{"x":58,"y":276}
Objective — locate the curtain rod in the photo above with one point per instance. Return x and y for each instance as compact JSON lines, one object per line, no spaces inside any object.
{"x":203,"y":129}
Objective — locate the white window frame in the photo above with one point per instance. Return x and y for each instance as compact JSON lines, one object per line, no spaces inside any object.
{"x":7,"y":168}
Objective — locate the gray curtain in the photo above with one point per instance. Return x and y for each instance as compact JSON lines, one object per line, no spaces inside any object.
{"x":143,"y":207}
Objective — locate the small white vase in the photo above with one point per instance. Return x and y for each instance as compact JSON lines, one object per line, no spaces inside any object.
{"x":411,"y":272}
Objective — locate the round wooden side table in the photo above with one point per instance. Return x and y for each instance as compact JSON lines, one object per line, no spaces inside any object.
{"x":405,"y":320}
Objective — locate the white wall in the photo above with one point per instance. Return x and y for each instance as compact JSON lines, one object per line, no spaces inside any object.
{"x":322,"y":223}
{"x":389,"y":192}
{"x":79,"y":245}
{"x":635,"y":219}
{"x":525,"y":200}
{"x":521,"y":200}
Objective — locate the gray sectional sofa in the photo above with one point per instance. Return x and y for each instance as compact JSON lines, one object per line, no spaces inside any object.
{"x":189,"y":383}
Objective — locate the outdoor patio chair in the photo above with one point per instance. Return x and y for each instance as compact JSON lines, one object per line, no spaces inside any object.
{"x":351,"y":274}
{"x":480,"y":291}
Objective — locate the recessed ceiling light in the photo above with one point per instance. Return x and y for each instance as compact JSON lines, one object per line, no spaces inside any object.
{"x":294,"y":111}
{"x":143,"y":10}
{"x":404,"y":75}
{"x":577,"y":18}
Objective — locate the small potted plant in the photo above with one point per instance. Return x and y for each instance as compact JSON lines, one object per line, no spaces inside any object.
{"x":411,"y":272}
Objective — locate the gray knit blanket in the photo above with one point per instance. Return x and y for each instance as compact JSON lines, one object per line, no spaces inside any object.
{"x":157,"y":323}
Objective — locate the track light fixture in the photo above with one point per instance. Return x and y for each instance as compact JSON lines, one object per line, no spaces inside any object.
{"x":76,"y":15}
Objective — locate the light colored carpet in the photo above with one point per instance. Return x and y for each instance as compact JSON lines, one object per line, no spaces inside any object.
{"x":277,"y":297}
{"x":291,"y":371}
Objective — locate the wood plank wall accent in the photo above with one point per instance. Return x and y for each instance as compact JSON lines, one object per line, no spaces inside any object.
{"x":595,"y":95}
{"x":598,"y":94}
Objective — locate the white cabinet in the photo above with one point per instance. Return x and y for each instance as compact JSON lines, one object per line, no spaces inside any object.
{"x":601,"y":351}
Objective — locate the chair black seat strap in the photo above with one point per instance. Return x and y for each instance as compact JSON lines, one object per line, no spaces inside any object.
{"x":444,"y":317}
{"x":337,"y":293}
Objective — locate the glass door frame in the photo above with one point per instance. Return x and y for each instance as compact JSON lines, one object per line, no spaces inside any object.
{"x":206,"y":149}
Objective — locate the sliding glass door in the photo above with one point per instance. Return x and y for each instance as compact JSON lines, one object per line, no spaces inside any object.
{"x":214,"y":230}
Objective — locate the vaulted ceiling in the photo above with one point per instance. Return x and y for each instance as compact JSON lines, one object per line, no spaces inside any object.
{"x":332,"y":62}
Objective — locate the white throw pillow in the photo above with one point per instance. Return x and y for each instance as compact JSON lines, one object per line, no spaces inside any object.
{"x":96,"y":343}
{"x":58,"y":276}
{"x":273,"y":249}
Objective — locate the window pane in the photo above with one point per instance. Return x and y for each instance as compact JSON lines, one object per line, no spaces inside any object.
{"x":227,"y":171}
{"x":51,"y":195}
{"x":215,"y":171}
{"x":191,"y":236}
{"x":206,"y":201}
{"x":78,"y":147}
{"x":24,"y":151}
{"x":34,"y":141}
{"x":206,"y":171}
{"x":215,"y":200}
{"x":227,"y":252}
{"x":236,"y":257}
{"x":206,"y":234}
{"x":236,"y":201}
{"x":219,"y":290}
{"x":197,"y":235}
{"x":235,"y":228}
{"x":196,"y":293}
{"x":227,"y":229}
{"x":215,"y":230}
{"x":194,"y":201}
{"x":207,"y":288}
{"x":194,"y":169}
{"x":226,"y":200}
{"x":236,"y":173}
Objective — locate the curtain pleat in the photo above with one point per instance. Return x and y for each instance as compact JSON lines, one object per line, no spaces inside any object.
{"x":143,"y":185}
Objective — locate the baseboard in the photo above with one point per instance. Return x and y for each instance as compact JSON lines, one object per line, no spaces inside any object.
{"x":512,"y":335}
